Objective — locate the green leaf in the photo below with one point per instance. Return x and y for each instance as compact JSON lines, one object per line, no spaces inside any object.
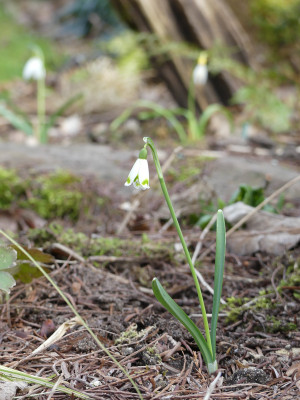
{"x":26,"y":272}
{"x":159,"y":111}
{"x":218,"y":280}
{"x":15,"y":120}
{"x":208,"y":113}
{"x":166,"y":301}
{"x":6,"y":281}
{"x":37,"y":254}
{"x":8,"y":257}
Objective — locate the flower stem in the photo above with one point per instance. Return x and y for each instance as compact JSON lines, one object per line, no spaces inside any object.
{"x":185,"y":249}
{"x":41,"y":110}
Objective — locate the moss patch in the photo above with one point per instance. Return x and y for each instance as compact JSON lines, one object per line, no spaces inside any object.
{"x":56,"y":196}
{"x":11,"y":188}
{"x":108,"y":246}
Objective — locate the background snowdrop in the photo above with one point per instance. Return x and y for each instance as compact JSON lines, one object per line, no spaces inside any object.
{"x":200,"y":73}
{"x":34,"y":69}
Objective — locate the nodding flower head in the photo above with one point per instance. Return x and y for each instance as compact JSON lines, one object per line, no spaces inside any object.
{"x":139,"y":174}
{"x":200,"y":73}
{"x":34,"y":69}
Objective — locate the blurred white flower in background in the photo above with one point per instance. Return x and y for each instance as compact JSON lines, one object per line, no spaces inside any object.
{"x":200,"y":73}
{"x":34,"y":69}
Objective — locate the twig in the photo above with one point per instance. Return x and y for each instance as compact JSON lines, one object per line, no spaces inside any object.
{"x":212,"y":386}
{"x":57,"y":383}
{"x":66,"y":250}
{"x":278,"y":297}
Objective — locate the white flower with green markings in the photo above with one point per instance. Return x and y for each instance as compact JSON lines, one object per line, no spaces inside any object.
{"x":139,"y":174}
{"x":34,"y":69}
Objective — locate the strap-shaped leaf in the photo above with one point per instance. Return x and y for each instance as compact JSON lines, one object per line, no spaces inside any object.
{"x":166,"y":301}
{"x":219,"y":272}
{"x":16,"y":120}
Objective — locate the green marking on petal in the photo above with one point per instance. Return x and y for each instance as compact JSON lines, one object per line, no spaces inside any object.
{"x":128,"y":180}
{"x":145,"y":182}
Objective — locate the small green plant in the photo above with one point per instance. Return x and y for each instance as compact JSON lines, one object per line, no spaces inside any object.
{"x":34,"y":69}
{"x":196,"y":125}
{"x":139,"y":177}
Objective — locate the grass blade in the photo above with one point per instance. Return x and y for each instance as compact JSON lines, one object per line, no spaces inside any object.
{"x":10,"y":373}
{"x":18,"y":122}
{"x":158,"y":111}
{"x":166,"y":301}
{"x":219,"y":272}
{"x":208,"y":113}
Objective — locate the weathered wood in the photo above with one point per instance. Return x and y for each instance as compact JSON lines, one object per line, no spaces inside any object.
{"x":200,"y":22}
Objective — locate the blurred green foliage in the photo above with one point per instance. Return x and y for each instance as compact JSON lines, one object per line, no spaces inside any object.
{"x":127,"y":49}
{"x":11,"y":188}
{"x":258,"y":94}
{"x":15,"y":42}
{"x":263,"y":107}
{"x":278,"y":21}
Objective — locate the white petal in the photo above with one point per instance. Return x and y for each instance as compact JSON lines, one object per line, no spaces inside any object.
{"x":133,"y":173}
{"x":200,"y":75}
{"x":34,"y":69}
{"x":144,"y":175}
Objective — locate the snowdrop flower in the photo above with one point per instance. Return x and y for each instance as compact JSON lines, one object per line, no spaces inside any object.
{"x":200,"y":73}
{"x":34,"y":69}
{"x":139,"y":174}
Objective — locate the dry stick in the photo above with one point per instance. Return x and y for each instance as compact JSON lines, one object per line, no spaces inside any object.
{"x":212,"y":387}
{"x":136,"y":202}
{"x":57,"y":383}
{"x":254,"y":211}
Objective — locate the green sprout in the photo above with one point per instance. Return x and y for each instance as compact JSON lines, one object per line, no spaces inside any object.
{"x":207,"y":344}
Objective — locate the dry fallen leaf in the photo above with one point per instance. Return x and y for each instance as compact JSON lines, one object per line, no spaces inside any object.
{"x":264,"y":231}
{"x":47,"y":328}
{"x":58,"y":334}
{"x":294,"y":368}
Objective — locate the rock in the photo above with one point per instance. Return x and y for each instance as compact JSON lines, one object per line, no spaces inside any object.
{"x":226,"y":174}
{"x":102,"y":162}
{"x":265,"y":231}
{"x":248,"y":375}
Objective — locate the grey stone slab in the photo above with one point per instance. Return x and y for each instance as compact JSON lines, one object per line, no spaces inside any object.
{"x":226,"y":174}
